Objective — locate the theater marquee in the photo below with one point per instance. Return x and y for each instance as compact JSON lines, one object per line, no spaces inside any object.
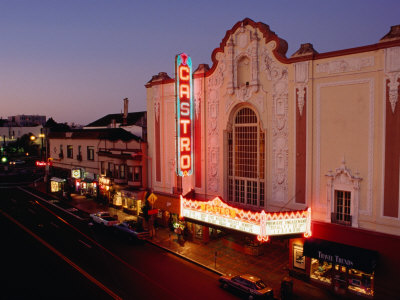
{"x":262,"y":224}
{"x":184,"y":114}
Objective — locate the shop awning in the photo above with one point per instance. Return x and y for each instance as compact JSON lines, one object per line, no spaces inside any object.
{"x":88,"y":180}
{"x":340,"y":254}
{"x":135,"y":194}
{"x":56,"y":179}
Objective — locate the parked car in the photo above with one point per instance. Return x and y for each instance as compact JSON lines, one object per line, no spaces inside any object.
{"x":131,"y":230}
{"x":249,"y":285}
{"x":104,"y":218}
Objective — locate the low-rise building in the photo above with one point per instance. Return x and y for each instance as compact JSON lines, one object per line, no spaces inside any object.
{"x":26,"y":120}
{"x":108,"y":163}
{"x":134,"y":122}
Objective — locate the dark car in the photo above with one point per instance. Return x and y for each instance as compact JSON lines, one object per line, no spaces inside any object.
{"x":250,"y":286}
{"x":131,"y":230}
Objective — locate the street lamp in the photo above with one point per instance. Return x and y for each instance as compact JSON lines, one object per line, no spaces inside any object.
{"x":41,"y":135}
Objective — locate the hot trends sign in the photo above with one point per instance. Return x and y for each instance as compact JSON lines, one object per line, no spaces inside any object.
{"x":184,"y":114}
{"x":262,"y":224}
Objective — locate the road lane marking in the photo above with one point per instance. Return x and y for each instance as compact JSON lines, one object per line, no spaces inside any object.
{"x":87,"y":245}
{"x":144,"y":275}
{"x":63,"y":257}
{"x":51,"y":202}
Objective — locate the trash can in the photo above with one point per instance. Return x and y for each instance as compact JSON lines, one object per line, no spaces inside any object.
{"x":286,"y":288}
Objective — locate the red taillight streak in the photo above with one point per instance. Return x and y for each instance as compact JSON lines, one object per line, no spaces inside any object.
{"x":63,"y":257}
{"x":99,"y":245}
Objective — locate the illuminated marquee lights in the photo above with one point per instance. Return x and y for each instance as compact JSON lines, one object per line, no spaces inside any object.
{"x":184,"y":111}
{"x":262,"y":224}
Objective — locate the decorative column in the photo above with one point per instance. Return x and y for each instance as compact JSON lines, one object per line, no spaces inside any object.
{"x":301,"y":80}
{"x":392,"y":138}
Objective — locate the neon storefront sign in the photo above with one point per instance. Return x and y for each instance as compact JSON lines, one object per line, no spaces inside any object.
{"x":76,"y":173}
{"x":42,"y":163}
{"x":184,"y":111}
{"x":262,"y":224}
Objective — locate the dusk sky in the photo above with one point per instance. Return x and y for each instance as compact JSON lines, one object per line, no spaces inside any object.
{"x":75,"y":61}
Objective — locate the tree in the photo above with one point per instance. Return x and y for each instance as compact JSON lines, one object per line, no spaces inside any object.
{"x":24,"y":144}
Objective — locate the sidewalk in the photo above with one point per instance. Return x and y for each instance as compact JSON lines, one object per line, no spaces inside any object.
{"x":218,"y":257}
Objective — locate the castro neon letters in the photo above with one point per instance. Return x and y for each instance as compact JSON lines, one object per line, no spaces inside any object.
{"x":184,"y":110}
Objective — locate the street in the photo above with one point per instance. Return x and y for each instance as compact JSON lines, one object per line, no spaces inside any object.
{"x":47,"y":253}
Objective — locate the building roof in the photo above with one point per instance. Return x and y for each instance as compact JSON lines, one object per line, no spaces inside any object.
{"x":111,"y":134}
{"x":134,"y":118}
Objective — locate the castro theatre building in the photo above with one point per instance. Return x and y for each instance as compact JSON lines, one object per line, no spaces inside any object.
{"x":295,"y":147}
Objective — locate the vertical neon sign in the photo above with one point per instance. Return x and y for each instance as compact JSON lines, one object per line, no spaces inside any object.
{"x":184,"y":114}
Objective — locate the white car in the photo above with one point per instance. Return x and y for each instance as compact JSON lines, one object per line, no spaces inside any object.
{"x":104,"y":218}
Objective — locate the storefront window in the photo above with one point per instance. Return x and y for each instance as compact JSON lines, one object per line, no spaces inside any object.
{"x":118,"y":199}
{"x":55,"y":186}
{"x":361,"y":282}
{"x":321,"y":271}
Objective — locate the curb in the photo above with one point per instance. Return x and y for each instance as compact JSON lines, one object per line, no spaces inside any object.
{"x":185,"y":258}
{"x":171,"y":251}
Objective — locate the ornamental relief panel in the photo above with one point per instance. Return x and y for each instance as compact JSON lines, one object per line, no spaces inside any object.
{"x":345,"y":65}
{"x":392,"y":73}
{"x":300,"y":92}
{"x":247,"y":47}
{"x":156,"y":102}
{"x":198,"y":92}
{"x":214,"y":83}
{"x":301,"y":79}
{"x":280,"y":152}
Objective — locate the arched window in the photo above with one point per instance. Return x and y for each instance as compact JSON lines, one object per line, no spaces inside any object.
{"x":246,"y":159}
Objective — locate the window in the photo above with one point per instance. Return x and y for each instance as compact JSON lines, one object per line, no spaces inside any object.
{"x":79,"y":156}
{"x":321,"y":271}
{"x":360,"y":282}
{"x":137,"y":175}
{"x":122,"y":172}
{"x":342,"y":208}
{"x":110,"y":169}
{"x":246,"y":159}
{"x":61,"y":154}
{"x":90,"y":153}
{"x":116,"y":171}
{"x":343,"y":195}
{"x":130,"y":173}
{"x":70,"y":151}
{"x":103,"y":168}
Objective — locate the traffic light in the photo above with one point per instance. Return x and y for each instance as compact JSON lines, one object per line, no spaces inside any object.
{"x":4,"y":159}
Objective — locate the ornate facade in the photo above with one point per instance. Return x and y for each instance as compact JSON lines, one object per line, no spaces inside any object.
{"x":327,"y":137}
